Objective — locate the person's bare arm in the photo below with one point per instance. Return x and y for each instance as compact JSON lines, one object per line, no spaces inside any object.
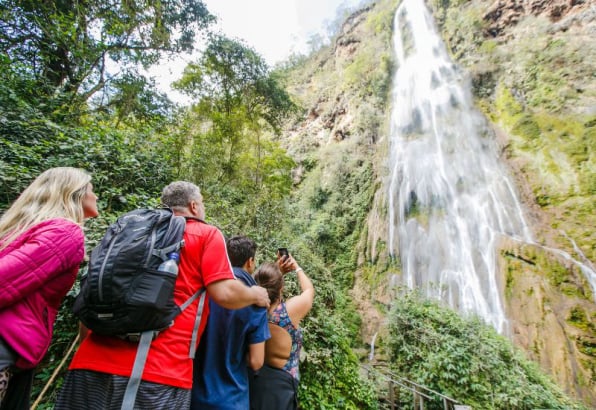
{"x":232,"y":294}
{"x":256,"y":355}
{"x":299,"y":306}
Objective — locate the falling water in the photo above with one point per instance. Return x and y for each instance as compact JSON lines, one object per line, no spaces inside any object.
{"x":371,"y":355}
{"x":449,"y":198}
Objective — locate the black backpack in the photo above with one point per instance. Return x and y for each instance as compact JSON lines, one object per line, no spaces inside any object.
{"x":123,"y":294}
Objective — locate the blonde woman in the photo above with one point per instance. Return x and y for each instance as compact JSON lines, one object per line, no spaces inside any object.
{"x":41,"y":248}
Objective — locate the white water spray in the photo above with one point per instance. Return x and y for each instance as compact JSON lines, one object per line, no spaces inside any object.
{"x":371,"y":355}
{"x":449,"y":198}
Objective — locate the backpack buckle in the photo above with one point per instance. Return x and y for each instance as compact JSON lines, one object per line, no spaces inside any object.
{"x":136,"y":337}
{"x":131,"y":337}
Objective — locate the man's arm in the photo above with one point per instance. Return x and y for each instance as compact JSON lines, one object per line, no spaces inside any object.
{"x":232,"y":294}
{"x":256,"y":355}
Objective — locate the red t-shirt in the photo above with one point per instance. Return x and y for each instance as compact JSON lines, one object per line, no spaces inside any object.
{"x":203,"y":260}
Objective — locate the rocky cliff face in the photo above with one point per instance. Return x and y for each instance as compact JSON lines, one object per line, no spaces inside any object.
{"x":504,"y":14}
{"x":532,"y":65}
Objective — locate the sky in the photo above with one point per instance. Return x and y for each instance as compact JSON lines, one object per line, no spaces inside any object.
{"x":273,"y":28}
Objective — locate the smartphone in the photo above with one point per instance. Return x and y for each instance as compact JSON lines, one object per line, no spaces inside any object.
{"x":283,"y":253}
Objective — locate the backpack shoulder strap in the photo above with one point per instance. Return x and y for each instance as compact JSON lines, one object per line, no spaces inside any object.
{"x":134,"y":381}
{"x":191,"y":299}
{"x":130,"y":394}
{"x":176,"y":227}
{"x":198,"y":317}
{"x":164,"y":252}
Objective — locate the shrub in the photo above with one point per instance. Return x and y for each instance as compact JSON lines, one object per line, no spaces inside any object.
{"x":466,"y":359}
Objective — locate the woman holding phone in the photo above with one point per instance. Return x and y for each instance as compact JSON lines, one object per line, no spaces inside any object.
{"x":275,"y":385}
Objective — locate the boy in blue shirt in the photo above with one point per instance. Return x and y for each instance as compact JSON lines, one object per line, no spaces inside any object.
{"x":233,"y":340}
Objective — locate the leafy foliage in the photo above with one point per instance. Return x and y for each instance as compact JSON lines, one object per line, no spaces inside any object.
{"x":465,"y":359}
{"x":239,"y":106}
{"x":31,"y":143}
{"x":67,"y":45}
{"x":133,"y":141}
{"x":133,"y":98}
{"x":230,"y":76}
{"x":331,"y":378}
{"x":129,"y":166}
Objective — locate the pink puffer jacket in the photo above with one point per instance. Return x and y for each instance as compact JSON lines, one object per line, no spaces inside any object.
{"x":37,"y":269}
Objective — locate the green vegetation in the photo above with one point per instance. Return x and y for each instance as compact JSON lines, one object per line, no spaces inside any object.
{"x":564,"y":177}
{"x":334,"y":197}
{"x":267,"y":173}
{"x":380,"y":20}
{"x":134,"y":141}
{"x":65,"y":46}
{"x":579,"y":318}
{"x":366,"y":79}
{"x":567,"y":280}
{"x":538,"y":88}
{"x":465,"y":359}
{"x":330,"y":374}
{"x":461,"y":24}
{"x":588,"y":347}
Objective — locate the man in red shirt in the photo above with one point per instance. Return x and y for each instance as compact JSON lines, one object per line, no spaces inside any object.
{"x":101,"y":367}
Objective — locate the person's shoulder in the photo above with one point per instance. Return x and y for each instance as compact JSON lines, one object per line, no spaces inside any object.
{"x":59,"y":227}
{"x":60,"y":237}
{"x":200,"y":226}
{"x":244,"y":276}
{"x":198,"y":233}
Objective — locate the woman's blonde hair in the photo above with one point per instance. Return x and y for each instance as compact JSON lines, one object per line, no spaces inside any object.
{"x":56,"y":193}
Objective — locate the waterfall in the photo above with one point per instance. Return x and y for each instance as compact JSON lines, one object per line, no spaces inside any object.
{"x":450,"y":199}
{"x":371,"y":355}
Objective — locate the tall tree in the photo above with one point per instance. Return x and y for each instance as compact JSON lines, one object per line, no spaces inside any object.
{"x":67,"y":45}
{"x":239,"y":105}
{"x":134,"y":98}
{"x":236,"y":94}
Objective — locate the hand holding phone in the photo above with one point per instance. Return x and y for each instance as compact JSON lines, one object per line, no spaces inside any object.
{"x":283,"y":253}
{"x":285,"y":262}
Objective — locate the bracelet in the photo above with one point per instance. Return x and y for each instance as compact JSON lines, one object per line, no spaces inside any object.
{"x":299,"y":270}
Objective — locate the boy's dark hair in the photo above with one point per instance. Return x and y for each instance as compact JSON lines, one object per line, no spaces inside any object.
{"x":240,"y":249}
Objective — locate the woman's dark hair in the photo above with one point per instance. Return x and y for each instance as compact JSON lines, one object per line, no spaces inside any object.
{"x":269,"y":276}
{"x":240,"y":249}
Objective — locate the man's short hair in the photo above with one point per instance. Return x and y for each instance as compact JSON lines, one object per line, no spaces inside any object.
{"x":240,"y":249}
{"x":179,"y":194}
